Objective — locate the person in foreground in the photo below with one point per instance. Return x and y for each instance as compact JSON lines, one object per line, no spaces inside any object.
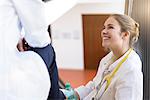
{"x":119,"y":75}
{"x":31,"y":74}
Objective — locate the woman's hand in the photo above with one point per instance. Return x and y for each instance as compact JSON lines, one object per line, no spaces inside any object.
{"x":70,"y":94}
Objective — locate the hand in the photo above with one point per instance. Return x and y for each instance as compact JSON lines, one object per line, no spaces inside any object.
{"x":70,"y":94}
{"x":22,"y":45}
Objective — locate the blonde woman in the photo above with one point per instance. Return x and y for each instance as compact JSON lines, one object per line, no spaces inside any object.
{"x":119,"y":76}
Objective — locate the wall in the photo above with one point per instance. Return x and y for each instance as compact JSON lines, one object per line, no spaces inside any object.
{"x":67,"y":36}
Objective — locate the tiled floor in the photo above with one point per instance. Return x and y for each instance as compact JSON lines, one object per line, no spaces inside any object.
{"x":76,"y":77}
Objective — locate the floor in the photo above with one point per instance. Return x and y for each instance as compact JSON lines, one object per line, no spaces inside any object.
{"x":76,"y":77}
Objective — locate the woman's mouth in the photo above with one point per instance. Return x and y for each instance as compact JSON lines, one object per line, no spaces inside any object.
{"x":106,"y":37}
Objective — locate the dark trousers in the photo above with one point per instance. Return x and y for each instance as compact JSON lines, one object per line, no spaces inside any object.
{"x":48,"y":55}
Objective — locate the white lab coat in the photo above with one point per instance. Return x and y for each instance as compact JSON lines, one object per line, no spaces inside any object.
{"x":127,"y":84}
{"x":23,"y":75}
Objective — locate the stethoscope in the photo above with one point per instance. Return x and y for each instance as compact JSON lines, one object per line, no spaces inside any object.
{"x":104,"y":84}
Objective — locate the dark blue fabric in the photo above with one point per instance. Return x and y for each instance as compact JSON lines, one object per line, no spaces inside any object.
{"x":48,"y":55}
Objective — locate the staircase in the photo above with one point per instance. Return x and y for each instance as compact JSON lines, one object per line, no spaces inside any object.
{"x":56,"y":8}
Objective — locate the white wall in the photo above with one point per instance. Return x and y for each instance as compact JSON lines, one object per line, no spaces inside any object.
{"x":67,"y":32}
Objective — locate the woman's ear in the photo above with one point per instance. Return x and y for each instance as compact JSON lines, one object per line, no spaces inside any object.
{"x":125,"y":34}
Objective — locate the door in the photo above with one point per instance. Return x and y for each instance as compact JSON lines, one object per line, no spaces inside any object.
{"x":93,"y":51}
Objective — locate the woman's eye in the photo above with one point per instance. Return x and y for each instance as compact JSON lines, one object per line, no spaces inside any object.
{"x":110,"y":27}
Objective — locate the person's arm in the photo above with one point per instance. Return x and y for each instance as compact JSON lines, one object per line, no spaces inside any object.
{"x":84,"y":91}
{"x":32,"y":18}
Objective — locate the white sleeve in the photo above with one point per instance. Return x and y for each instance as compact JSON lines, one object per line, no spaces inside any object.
{"x":84,"y":91}
{"x":32,"y":18}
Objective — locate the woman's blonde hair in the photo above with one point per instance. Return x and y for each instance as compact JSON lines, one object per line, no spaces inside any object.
{"x":127,"y":24}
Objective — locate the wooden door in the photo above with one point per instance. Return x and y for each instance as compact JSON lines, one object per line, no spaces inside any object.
{"x":93,"y":51}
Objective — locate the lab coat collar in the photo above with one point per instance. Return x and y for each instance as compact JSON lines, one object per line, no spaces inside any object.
{"x":114,"y":64}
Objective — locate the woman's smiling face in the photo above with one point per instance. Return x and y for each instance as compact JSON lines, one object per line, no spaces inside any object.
{"x":111,"y":34}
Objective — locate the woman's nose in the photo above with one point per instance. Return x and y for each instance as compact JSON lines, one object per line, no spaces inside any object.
{"x":103,"y":32}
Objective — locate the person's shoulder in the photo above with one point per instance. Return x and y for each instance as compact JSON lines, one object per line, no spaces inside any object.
{"x":131,"y":68}
{"x":135,"y":58}
{"x":134,"y":61}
